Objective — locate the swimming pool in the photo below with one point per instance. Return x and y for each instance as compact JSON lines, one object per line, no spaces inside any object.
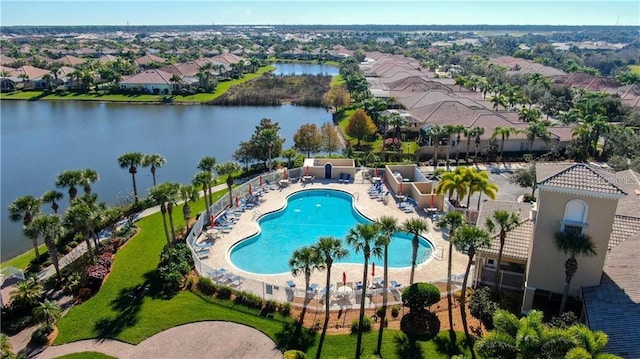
{"x":308,"y":215}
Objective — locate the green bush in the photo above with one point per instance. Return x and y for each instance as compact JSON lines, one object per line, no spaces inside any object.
{"x":366,"y":325}
{"x":294,"y":354}
{"x":395,"y":311}
{"x":224,"y":292}
{"x":284,"y":309}
{"x":206,"y":286}
{"x":248,"y":299}
{"x":270,"y":306}
{"x":419,"y":296}
{"x":294,"y":337}
{"x":39,"y":336}
{"x":175,"y":264}
{"x":482,"y":306}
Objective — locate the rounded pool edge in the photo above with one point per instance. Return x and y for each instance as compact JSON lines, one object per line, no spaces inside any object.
{"x":428,"y":244}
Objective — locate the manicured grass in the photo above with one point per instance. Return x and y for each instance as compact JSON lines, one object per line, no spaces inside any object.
{"x":86,"y":355}
{"x":196,"y":98}
{"x":635,"y":69}
{"x":337,"y":80}
{"x":22,"y":261}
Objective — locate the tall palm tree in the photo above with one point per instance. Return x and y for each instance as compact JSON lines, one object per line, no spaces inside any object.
{"x":364,"y":238}
{"x":230,"y":188}
{"x":328,"y":250}
{"x":468,"y":133}
{"x":131,"y":161}
{"x":480,"y":183}
{"x":537,"y":130}
{"x":468,"y":239}
{"x":507,"y":223}
{"x":203,"y":179}
{"x":52,"y":197}
{"x":388,"y":227}
{"x":69,"y":179}
{"x":304,"y":260}
{"x":188,"y":194}
{"x":477,"y":131}
{"x":453,"y":181}
{"x":95,"y":215}
{"x":449,"y":130}
{"x":48,"y":311}
{"x":414,"y":226}
{"x":504,"y":132}
{"x":173,"y":192}
{"x":572,"y":244}
{"x":436,"y":133}
{"x":458,"y":130}
{"x":78,"y":218}
{"x":25,"y":208}
{"x":208,"y":164}
{"x":452,"y":221}
{"x":154,"y":161}
{"x":160,"y":196}
{"x":50,"y":227}
{"x":88,"y":177}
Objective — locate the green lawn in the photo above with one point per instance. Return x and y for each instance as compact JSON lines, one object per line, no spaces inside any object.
{"x":87,"y":355}
{"x":197,"y":98}
{"x":337,"y":80}
{"x":22,"y":261}
{"x":112,"y":314}
{"x":635,"y":69}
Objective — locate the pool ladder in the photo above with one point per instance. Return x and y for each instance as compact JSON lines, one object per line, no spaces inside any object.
{"x":256,"y":214}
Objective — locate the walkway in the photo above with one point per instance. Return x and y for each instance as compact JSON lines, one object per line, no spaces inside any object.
{"x":195,"y":340}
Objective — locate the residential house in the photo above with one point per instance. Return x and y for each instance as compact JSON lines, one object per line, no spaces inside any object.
{"x":30,"y":77}
{"x":149,"y":81}
{"x":69,"y":60}
{"x":148,"y":59}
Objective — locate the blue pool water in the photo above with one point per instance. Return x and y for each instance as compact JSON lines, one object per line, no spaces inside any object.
{"x":307,"y":216}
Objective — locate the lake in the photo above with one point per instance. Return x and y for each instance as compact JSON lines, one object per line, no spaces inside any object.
{"x":40,"y":139}
{"x":298,"y":69}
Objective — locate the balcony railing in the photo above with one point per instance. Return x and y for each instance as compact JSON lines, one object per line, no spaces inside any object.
{"x":508,"y":280}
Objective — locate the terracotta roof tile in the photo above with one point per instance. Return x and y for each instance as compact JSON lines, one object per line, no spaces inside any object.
{"x":624,"y":227}
{"x":584,"y":178}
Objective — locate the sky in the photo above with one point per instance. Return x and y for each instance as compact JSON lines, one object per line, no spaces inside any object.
{"x":310,"y":12}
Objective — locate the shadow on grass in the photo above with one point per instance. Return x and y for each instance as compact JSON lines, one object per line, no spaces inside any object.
{"x":408,"y":347}
{"x":448,"y":344}
{"x":295,"y":337}
{"x":127,"y":306}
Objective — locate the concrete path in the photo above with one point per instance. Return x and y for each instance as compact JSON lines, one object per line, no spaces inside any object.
{"x":196,"y":340}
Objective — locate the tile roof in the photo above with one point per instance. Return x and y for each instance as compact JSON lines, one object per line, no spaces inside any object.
{"x":581,"y":177}
{"x":149,"y":58}
{"x":69,"y":60}
{"x":624,"y":227}
{"x":628,"y":181}
{"x":149,"y":77}
{"x":614,"y":305}
{"x":6,"y":60}
{"x":516,"y":244}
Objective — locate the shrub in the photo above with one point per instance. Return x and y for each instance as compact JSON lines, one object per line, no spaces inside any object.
{"x":395,"y":311}
{"x":564,"y":320}
{"x":248,"y":299}
{"x":270,"y":306}
{"x":420,"y":323}
{"x":39,"y":336}
{"x":366,"y":325}
{"x":284,"y":309}
{"x":206,"y":286}
{"x":96,"y":273}
{"x":175,"y":264}
{"x":295,"y":337}
{"x":482,"y":306}
{"x":419,"y":296}
{"x":72,"y":244}
{"x":294,"y":354}
{"x":380,"y":312}
{"x":224,"y":292}
{"x":15,"y":325}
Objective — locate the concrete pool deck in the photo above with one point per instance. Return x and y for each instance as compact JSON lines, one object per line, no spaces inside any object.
{"x":434,"y":269}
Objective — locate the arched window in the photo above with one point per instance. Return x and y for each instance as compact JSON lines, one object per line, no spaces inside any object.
{"x":575,"y":216}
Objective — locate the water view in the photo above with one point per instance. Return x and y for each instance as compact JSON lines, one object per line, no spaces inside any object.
{"x":297,"y":69}
{"x":43,"y":138}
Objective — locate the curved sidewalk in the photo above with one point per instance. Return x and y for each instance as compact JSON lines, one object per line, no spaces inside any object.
{"x":195,"y":340}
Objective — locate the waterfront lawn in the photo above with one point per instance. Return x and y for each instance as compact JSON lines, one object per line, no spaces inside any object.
{"x":22,"y":261}
{"x":337,"y":80}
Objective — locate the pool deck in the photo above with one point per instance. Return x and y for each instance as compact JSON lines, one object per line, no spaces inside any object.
{"x":432,"y":270}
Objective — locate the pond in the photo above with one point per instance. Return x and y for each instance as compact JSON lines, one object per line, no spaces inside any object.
{"x":298,"y":69}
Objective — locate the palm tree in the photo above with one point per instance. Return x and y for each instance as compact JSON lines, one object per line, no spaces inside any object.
{"x":529,"y":114}
{"x":388,"y":227}
{"x":436,"y":133}
{"x":154,"y":161}
{"x":173,"y":192}
{"x":480,"y":183}
{"x":49,"y":227}
{"x":203,"y":179}
{"x":364,"y":238}
{"x":537,"y":130}
{"x":6,"y":350}
{"x":468,"y":239}
{"x":230,"y":188}
{"x":25,"y":208}
{"x":51,"y":197}
{"x":131,"y":161}
{"x":497,"y":101}
{"x":176,"y":80}
{"x":572,"y":244}
{"x":414,"y":226}
{"x":449,"y":130}
{"x":78,"y":219}
{"x":468,"y":134}
{"x":504,"y":133}
{"x":87,"y":177}
{"x":267,"y":138}
{"x":160,"y":196}
{"x":478,"y":131}
{"x":27,"y":293}
{"x":328,"y":250}
{"x":95,"y":215}
{"x":304,"y":260}
{"x":208,"y":164}
{"x":453,"y":181}
{"x":48,"y":311}
{"x":507,"y":223}
{"x":69,"y":179}
{"x":188,"y":194}
{"x":458,"y":130}
{"x":452,"y":221}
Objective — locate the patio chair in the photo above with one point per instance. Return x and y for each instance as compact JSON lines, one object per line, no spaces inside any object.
{"x":313,"y":288}
{"x":379,"y":282}
{"x":341,"y":179}
{"x":348,"y":178}
{"x":235,"y":281}
{"x":291,"y":284}
{"x":395,"y":284}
